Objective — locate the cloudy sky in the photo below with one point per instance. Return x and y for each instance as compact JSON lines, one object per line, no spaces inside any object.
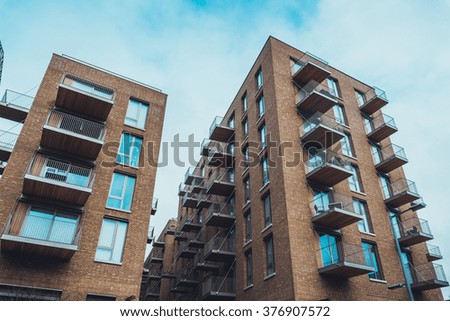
{"x":198,"y":52}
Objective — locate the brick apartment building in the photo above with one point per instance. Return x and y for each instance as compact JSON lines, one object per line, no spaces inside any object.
{"x":76,"y":184}
{"x":299,"y":194}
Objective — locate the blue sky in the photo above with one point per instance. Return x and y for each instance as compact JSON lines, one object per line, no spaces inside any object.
{"x":198,"y":52}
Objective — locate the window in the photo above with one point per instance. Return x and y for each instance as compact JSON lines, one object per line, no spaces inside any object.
{"x":248,"y":227}
{"x":111,"y":241}
{"x":368,"y":124}
{"x":265,"y":170}
{"x":360,"y":98}
{"x":364,"y":225}
{"x":199,"y":216}
{"x":129,"y":150}
{"x":230,"y":148}
{"x":136,"y":114}
{"x":247,"y":189}
{"x":245,"y":127}
{"x":231,"y":205}
{"x":385,"y":186}
{"x":261,"y":106}
{"x":202,"y":170}
{"x":270,"y":256}
{"x":231,"y":121}
{"x":339,"y":114}
{"x":249,"y":267}
{"x":267,"y":210}
{"x":354,"y":181}
{"x":346,"y":144}
{"x":230,"y":173}
{"x":262,"y":135}
{"x":246,"y":156}
{"x":259,"y":79}
{"x":244,"y":103}
{"x":121,"y":192}
{"x":333,"y":86}
{"x":372,"y":259}
{"x":376,"y":154}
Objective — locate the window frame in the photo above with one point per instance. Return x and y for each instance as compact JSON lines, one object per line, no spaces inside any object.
{"x":355,"y":180}
{"x":131,"y":149}
{"x":335,"y":86}
{"x":248,"y":227}
{"x":123,"y":194}
{"x":259,"y":79}
{"x":364,"y":225}
{"x":347,"y":145}
{"x":247,"y":190}
{"x":261,"y":106}
{"x":342,"y":115}
{"x":265,"y":170}
{"x":267,"y":209}
{"x":270,"y":259}
{"x":373,"y":248}
{"x":139,"y":112}
{"x":113,"y":241}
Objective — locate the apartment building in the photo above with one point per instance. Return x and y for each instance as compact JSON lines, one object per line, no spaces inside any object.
{"x":299,"y":194}
{"x":77,"y":184}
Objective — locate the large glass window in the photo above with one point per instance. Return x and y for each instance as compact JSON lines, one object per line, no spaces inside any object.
{"x":111,"y":241}
{"x":136,"y":114}
{"x":261,"y":106}
{"x":347,"y":147}
{"x":244,"y":103}
{"x":339,"y":114}
{"x":248,"y":227}
{"x":262,"y":135}
{"x":354,"y":181}
{"x":259,"y":79}
{"x":129,"y":150}
{"x":270,"y":255}
{"x":360,"y":207}
{"x":371,"y":254}
{"x":249,"y":267}
{"x":267,"y":210}
{"x":333,"y":86}
{"x":265,"y":170}
{"x":121,"y":192}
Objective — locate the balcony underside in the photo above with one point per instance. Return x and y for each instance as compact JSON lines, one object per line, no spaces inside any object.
{"x":190,"y":178}
{"x":181,"y":192}
{"x":328,"y":175}
{"x":12,"y":112}
{"x":207,"y":266}
{"x":159,"y":244}
{"x":220,"y":188}
{"x":219,"y":296}
{"x":433,"y":257}
{"x":55,"y":190}
{"x":83,"y":103}
{"x":197,"y":244}
{"x":373,"y":105}
{"x":221,"y":133}
{"x":336,"y":218}
{"x":401,"y":199}
{"x":345,"y":270}
{"x":218,"y":159}
{"x":70,"y":143}
{"x":220,"y":220}
{"x":428,"y":285}
{"x":204,"y":203}
{"x":323,"y":135}
{"x":27,"y":246}
{"x":188,"y":227}
{"x":382,"y":132}
{"x":5,"y":152}
{"x":310,"y":71}
{"x":180,"y":238}
{"x":156,"y":260}
{"x":413,"y":238}
{"x":168,"y":275}
{"x":187,"y":253}
{"x":190,"y":202}
{"x":220,"y":256}
{"x":197,"y":188}
{"x":149,"y":240}
{"x":187,"y":283}
{"x":391,"y":163}
{"x":154,"y":277}
{"x":316,"y":102}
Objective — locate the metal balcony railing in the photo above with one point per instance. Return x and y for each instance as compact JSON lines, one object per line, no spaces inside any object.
{"x":389,"y":152}
{"x":427,"y":272}
{"x":222,"y":175}
{"x":311,"y":87}
{"x":219,"y":243}
{"x":370,"y":95}
{"x":14,"y":98}
{"x":157,"y":252}
{"x":218,"y":121}
{"x":221,"y":208}
{"x":151,"y":232}
{"x":414,"y":226}
{"x":324,"y":158}
{"x":219,"y":284}
{"x":398,"y":187}
{"x":308,"y":57}
{"x":319,"y":119}
{"x":46,"y":167}
{"x":325,"y":202}
{"x":88,"y":86}
{"x":378,"y":122}
{"x":341,"y":252}
{"x":434,"y":250}
{"x":154,"y":204}
{"x":7,"y":139}
{"x":76,"y":125}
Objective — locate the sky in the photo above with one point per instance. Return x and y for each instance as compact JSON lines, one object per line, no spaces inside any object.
{"x":199,"y":52}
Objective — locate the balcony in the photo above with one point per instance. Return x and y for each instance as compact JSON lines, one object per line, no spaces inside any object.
{"x":190,"y":200}
{"x":220,"y":249}
{"x":15,"y":106}
{"x":333,"y":211}
{"x":154,"y":273}
{"x":35,"y":231}
{"x":219,"y":288}
{"x":217,"y":153}
{"x":204,"y":200}
{"x":7,"y":142}
{"x":160,"y":242}
{"x":327,"y":168}
{"x":49,"y":178}
{"x":190,"y":224}
{"x":400,"y":192}
{"x":321,"y":129}
{"x":182,"y":189}
{"x":221,"y":215}
{"x":197,"y":185}
{"x":308,"y":68}
{"x":150,"y":234}
{"x":187,"y":252}
{"x":433,"y":253}
{"x":157,"y":255}
{"x":180,"y":236}
{"x":191,"y":174}
{"x":427,"y":276}
{"x":314,"y":97}
{"x":201,"y":265}
{"x":343,"y":260}
{"x":372,"y":100}
{"x":187,"y":278}
{"x":85,"y":97}
{"x":220,"y":130}
{"x":152,"y":293}
{"x":380,"y":127}
{"x":221,"y":182}
{"x":389,"y":158}
{"x":413,"y":231}
{"x":73,"y":135}
{"x":196,"y":241}
{"x":154,"y":206}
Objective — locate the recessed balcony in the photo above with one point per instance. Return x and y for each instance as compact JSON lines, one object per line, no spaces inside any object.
{"x":428,"y":276}
{"x":219,"y":288}
{"x":36,"y":231}
{"x":433,"y":253}
{"x":7,"y":142}
{"x":221,"y":182}
{"x":322,"y":130}
{"x":73,"y":135}
{"x":15,"y":106}
{"x":372,"y":100}
{"x":220,"y":130}
{"x":308,"y":68}
{"x":49,"y":178}
{"x":217,"y":153}
{"x":413,"y":231}
{"x":389,"y":158}
{"x":220,"y":249}
{"x":380,"y":127}
{"x":314,"y":97}
{"x":400,"y":192}
{"x":333,"y":211}
{"x":85,"y":97}
{"x":343,"y":260}
{"x":221,"y":215}
{"x":327,"y":168}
